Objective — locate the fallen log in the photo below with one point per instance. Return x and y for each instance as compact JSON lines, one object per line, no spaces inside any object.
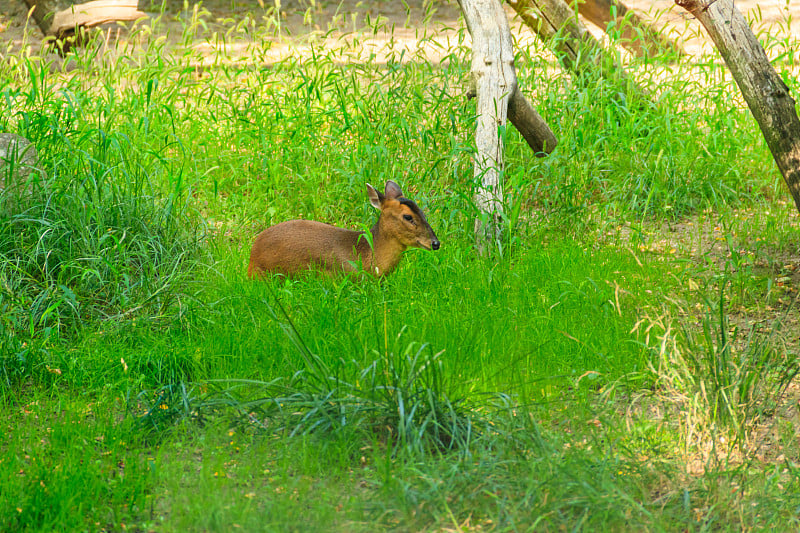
{"x":61,"y":18}
{"x":557,"y":24}
{"x":636,"y":34}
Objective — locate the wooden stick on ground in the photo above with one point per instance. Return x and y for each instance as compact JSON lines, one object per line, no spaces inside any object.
{"x":637,"y":35}
{"x":578,"y":51}
{"x":60,"y":18}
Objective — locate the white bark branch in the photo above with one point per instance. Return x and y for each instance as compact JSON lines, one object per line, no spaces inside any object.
{"x":496,"y":85}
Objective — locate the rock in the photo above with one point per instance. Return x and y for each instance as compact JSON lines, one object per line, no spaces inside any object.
{"x":18,"y":159}
{"x":20,"y":179}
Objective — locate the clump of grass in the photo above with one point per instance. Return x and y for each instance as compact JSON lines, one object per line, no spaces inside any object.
{"x":741,"y":377}
{"x":724,"y":379}
{"x":399,"y":397}
{"x":104,"y":233}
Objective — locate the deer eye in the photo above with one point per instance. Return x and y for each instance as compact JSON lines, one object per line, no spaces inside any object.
{"x":409,"y":218}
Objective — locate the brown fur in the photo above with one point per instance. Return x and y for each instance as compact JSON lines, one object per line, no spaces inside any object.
{"x":297,"y":245}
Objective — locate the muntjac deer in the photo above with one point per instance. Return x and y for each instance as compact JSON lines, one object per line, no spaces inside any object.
{"x":297,"y":245}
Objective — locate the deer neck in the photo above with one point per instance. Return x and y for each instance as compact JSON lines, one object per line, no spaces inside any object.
{"x":384,"y":255}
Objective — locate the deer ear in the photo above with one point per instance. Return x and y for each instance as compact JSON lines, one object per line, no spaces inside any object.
{"x":375,"y":198}
{"x":393,"y":190}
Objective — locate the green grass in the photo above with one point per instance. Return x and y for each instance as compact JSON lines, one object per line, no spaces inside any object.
{"x":608,"y":368}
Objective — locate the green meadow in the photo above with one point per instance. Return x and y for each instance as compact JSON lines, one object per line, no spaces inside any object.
{"x":624,"y":358}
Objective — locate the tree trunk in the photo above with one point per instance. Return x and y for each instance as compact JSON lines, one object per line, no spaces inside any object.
{"x":495,"y":81}
{"x":766,"y":94}
{"x":637,"y":35}
{"x":60,"y":18}
{"x":578,"y":51}
{"x":499,"y":99}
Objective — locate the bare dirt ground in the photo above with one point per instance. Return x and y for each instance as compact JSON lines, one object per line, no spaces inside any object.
{"x":379,"y":21}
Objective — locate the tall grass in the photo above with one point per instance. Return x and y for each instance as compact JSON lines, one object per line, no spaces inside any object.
{"x":726,"y":377}
{"x":103,"y":232}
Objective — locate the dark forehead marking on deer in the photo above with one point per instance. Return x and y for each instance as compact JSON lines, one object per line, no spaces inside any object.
{"x":411,"y":205}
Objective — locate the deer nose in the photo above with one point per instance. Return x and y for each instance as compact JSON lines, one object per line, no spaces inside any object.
{"x":435,"y":245}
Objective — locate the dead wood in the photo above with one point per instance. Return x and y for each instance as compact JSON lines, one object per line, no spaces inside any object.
{"x":558,"y":25}
{"x":766,"y":94}
{"x":498,"y":100}
{"x":61,"y":18}
{"x":636,"y":34}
